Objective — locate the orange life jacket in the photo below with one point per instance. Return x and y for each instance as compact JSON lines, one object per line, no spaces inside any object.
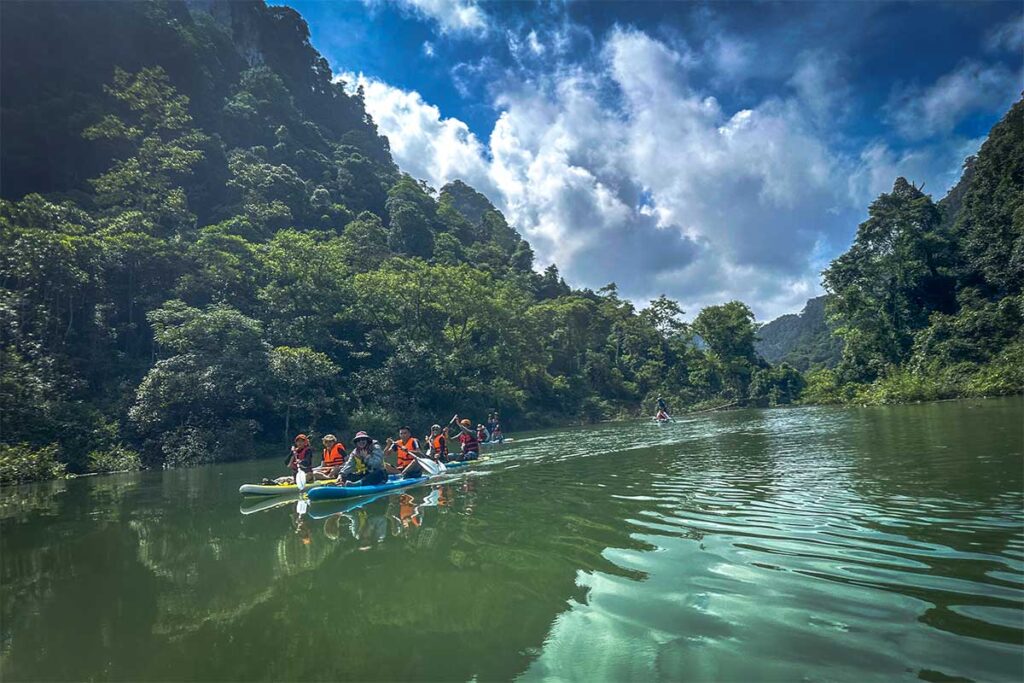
{"x":402,"y":448}
{"x":438,"y":444}
{"x":335,"y":455}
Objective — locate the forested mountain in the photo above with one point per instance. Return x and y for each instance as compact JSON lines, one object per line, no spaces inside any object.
{"x":205,"y":246}
{"x":804,"y":340}
{"x":928,"y":301}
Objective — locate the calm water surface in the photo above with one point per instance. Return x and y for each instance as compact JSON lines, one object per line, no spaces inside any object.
{"x":866,"y":544}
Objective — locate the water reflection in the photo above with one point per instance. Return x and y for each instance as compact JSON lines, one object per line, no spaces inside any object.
{"x":813,"y":543}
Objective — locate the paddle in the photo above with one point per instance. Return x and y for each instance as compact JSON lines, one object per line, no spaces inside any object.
{"x":300,"y":478}
{"x":429,"y":466}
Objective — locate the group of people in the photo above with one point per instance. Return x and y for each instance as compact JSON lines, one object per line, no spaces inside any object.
{"x":491,"y":431}
{"x":366,"y":464}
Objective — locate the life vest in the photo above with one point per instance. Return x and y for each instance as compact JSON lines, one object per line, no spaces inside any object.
{"x":334,"y":456}
{"x":469,"y":443}
{"x":438,"y":445}
{"x":359,"y":466}
{"x":302,"y":458}
{"x":402,"y":448}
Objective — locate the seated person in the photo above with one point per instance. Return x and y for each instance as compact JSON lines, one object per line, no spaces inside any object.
{"x":470,"y":444}
{"x":405,"y":448}
{"x":365,"y":464}
{"x":301,"y":455}
{"x":333,"y":458}
{"x":437,"y":444}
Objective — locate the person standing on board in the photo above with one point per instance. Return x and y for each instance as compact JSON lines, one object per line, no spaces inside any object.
{"x":662,"y":407}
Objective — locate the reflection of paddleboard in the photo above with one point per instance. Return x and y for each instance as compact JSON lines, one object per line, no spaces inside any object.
{"x":268,"y":503}
{"x":329,"y":508}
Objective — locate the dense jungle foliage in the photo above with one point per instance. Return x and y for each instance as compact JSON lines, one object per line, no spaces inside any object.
{"x":205,"y":246}
{"x":928,"y":301}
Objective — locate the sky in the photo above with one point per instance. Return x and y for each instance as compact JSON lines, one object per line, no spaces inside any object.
{"x":706,"y":151}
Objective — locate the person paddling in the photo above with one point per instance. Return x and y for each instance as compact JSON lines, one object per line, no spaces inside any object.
{"x":407,"y":449}
{"x":437,"y":444}
{"x":469,"y":441}
{"x":365,"y":464}
{"x":300,"y":456}
{"x":333,"y":458}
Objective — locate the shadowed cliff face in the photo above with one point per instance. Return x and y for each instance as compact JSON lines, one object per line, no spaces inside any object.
{"x":58,"y":56}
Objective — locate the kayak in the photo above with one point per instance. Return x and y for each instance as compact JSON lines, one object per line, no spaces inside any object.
{"x":497,"y":443}
{"x":279,"y":489}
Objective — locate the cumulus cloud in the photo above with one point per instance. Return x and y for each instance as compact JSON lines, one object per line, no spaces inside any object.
{"x":1008,"y":36}
{"x":452,"y":16}
{"x":922,"y":112}
{"x":625,"y":170}
{"x":425,"y":144}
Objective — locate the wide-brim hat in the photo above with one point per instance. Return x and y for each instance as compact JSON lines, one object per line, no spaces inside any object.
{"x":361,"y":435}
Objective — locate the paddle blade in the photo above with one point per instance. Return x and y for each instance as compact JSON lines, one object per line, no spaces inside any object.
{"x":300,"y":479}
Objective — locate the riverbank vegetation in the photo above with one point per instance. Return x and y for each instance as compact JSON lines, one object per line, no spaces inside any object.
{"x":208,"y":247}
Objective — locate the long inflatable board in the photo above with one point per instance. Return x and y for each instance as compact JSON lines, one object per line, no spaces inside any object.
{"x":279,"y":489}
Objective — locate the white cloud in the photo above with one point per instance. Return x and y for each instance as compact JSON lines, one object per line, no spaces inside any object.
{"x":625,"y":171}
{"x":425,"y":144}
{"x":428,"y":48}
{"x":934,"y":167}
{"x":1008,"y":36}
{"x":452,"y":16}
{"x":920,"y":113}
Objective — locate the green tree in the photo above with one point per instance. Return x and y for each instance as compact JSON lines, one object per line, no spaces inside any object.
{"x":892,"y":278}
{"x":203,"y":399}
{"x":162,"y":148}
{"x":303,"y":385}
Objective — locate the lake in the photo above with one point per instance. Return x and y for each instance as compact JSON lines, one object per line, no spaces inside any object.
{"x":819,"y":543}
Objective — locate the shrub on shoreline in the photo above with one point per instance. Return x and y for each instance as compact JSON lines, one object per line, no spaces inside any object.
{"x":21,"y":463}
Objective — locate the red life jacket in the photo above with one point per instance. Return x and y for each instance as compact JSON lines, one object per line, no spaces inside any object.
{"x":302,"y":458}
{"x":469,"y":443}
{"x":402,"y":448}
{"x":334,"y":456}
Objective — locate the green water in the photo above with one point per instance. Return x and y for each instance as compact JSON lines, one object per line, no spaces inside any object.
{"x":807,"y":544}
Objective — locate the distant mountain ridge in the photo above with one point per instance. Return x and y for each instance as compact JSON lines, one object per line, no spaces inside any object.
{"x":803,"y":339}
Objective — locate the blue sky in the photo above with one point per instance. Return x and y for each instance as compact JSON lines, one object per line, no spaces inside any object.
{"x":708,"y":151}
